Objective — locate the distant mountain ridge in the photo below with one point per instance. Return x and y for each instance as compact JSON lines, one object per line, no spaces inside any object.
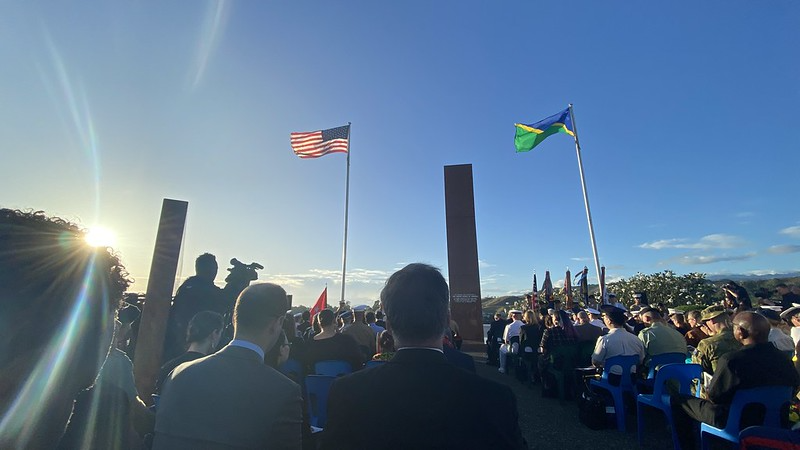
{"x":745,"y":277}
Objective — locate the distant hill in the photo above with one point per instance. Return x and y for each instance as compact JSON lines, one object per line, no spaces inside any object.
{"x":742,"y":277}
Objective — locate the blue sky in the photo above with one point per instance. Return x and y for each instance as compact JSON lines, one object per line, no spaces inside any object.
{"x":687,"y":114}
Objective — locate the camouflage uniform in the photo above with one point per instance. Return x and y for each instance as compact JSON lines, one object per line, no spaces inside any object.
{"x":710,"y":349}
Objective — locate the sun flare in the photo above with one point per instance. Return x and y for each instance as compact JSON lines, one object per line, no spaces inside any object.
{"x":100,"y":237}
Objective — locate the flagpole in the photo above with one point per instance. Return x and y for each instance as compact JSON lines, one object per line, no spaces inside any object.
{"x":346,"y":211}
{"x":585,"y":195}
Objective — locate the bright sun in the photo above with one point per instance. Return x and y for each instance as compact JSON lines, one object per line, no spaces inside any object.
{"x":100,"y":237}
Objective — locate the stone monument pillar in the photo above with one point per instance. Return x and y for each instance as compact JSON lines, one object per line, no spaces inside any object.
{"x":462,"y":252}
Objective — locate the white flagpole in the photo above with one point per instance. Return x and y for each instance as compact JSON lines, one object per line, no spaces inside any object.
{"x":346,"y":210}
{"x":585,"y":195}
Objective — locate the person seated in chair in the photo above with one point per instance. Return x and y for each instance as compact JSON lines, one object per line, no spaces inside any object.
{"x":510,"y":338}
{"x":757,"y":364}
{"x":618,"y":342}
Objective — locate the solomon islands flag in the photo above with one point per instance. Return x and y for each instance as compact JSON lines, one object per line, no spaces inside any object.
{"x":529,"y":136}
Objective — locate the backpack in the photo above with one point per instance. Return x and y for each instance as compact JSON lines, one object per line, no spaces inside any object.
{"x":592,"y":410}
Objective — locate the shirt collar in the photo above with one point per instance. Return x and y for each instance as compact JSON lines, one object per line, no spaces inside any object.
{"x":248,"y":345}
{"x":421,"y":348}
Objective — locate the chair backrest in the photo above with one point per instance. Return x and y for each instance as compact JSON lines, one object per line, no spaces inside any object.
{"x":664,"y":358}
{"x":763,"y":438}
{"x":564,"y":356}
{"x":374,"y":363}
{"x":332,"y":368}
{"x":292,"y":369}
{"x":684,"y":374}
{"x":772,"y":397}
{"x":584,"y":356}
{"x":625,"y":362}
{"x":317,"y":388}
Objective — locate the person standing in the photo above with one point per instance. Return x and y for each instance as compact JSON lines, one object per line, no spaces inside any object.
{"x":232,"y":399}
{"x":788,"y":298}
{"x":432,"y":403}
{"x":197,"y":293}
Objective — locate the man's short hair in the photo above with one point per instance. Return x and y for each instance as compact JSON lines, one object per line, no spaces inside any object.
{"x":694,"y":314}
{"x":417,"y":302}
{"x":258,"y":305}
{"x":206,"y":260}
{"x":52,"y":281}
{"x":326,"y":317}
{"x":305,"y":315}
{"x":202,"y":325}
{"x":370,"y":317}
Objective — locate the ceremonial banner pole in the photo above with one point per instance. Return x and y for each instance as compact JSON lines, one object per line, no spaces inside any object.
{"x":346,"y":211}
{"x":585,"y":195}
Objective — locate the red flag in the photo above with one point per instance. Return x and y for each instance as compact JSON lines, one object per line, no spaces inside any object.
{"x":322,"y":302}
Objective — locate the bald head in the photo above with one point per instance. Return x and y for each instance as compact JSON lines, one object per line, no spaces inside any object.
{"x":751,"y":328}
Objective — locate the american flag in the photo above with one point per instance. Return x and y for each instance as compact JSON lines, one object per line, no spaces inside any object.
{"x":314,"y":144}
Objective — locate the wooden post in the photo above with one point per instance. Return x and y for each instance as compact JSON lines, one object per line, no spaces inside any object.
{"x":153,"y":326}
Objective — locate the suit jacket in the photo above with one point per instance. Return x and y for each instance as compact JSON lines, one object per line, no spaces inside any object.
{"x":227,"y":400}
{"x":419,"y":400}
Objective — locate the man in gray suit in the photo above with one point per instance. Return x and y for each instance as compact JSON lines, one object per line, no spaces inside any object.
{"x":231,"y":399}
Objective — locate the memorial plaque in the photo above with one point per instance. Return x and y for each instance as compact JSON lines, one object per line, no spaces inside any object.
{"x":462,"y":252}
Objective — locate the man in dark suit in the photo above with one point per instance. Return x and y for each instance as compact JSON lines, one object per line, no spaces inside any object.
{"x":231,"y":399}
{"x":426,"y":402}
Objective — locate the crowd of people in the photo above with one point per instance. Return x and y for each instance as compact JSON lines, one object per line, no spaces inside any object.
{"x":737,"y":345}
{"x":68,"y":382}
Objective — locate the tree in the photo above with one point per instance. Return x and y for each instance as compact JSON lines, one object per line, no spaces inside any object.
{"x":668,"y":288}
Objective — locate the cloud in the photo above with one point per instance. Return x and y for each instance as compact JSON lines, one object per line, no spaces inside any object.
{"x":690,"y":260}
{"x":581,"y":259}
{"x":707,"y":242}
{"x":792,"y":231}
{"x":483,"y":264}
{"x":745,"y":214}
{"x":784,"y":249}
{"x":361,"y":276}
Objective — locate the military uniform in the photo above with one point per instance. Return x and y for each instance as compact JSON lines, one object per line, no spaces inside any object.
{"x":709,"y":350}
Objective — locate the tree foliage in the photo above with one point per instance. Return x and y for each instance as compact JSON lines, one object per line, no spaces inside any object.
{"x":668,"y":288}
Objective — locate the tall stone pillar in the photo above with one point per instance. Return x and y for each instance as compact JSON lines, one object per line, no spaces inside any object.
{"x":462,"y":251}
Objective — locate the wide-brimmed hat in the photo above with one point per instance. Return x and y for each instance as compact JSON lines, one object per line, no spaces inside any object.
{"x":791,"y":312}
{"x":712,"y":312}
{"x":675,"y":311}
{"x":593,"y":311}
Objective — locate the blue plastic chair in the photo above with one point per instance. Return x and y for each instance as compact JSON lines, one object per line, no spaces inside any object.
{"x":763,"y":438}
{"x":317,"y":388}
{"x":625,"y":385}
{"x":656,"y":362}
{"x":772,"y":397}
{"x":333,"y":368}
{"x":662,"y":359}
{"x":685,"y":375}
{"x":371,"y":364}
